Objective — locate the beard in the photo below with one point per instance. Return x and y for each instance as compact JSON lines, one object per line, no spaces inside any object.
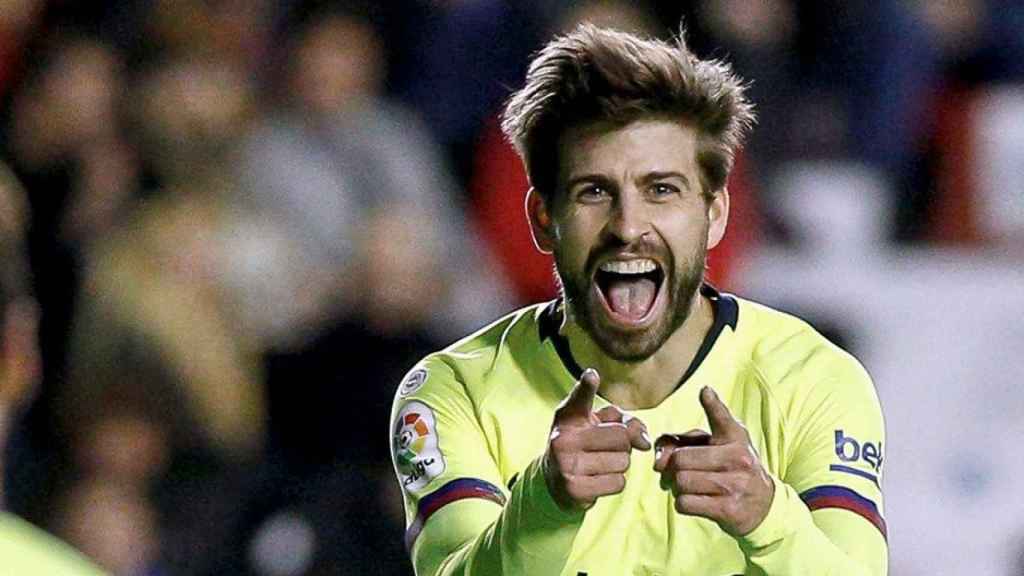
{"x":681,"y":281}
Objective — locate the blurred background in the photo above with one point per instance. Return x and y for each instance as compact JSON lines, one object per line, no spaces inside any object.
{"x":237,"y":223}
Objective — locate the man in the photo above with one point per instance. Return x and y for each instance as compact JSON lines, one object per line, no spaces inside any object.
{"x":769,"y":439}
{"x":24,"y":549}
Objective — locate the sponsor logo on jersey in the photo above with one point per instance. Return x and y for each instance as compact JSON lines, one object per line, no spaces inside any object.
{"x":413,"y":382}
{"x":849,"y":449}
{"x":415,"y":447}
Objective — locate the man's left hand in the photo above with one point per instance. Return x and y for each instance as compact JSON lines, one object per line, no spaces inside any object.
{"x":716,"y":476}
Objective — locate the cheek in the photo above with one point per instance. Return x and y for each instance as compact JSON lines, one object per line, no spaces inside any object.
{"x":579,"y":231}
{"x":685,"y":236}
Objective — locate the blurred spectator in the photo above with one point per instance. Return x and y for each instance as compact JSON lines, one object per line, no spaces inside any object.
{"x":25,"y":549}
{"x":164,"y":404}
{"x":234,"y":32}
{"x":67,"y":145}
{"x":18,"y":19}
{"x":338,"y":155}
{"x":945,"y":195}
{"x":114,"y":525}
{"x":163,"y":278}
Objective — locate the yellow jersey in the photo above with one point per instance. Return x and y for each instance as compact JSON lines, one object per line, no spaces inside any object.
{"x":470,"y":425}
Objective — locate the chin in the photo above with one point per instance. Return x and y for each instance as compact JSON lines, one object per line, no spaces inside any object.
{"x":629,"y":345}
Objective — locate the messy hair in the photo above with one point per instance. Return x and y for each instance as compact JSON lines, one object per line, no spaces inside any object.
{"x":596,"y":74}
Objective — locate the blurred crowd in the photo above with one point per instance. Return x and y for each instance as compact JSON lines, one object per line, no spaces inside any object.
{"x":237,"y":223}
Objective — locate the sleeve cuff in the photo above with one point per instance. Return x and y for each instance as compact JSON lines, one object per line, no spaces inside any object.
{"x":535,"y":492}
{"x":786,"y":516}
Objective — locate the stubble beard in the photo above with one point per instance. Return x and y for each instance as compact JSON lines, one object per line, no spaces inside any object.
{"x":632,"y":346}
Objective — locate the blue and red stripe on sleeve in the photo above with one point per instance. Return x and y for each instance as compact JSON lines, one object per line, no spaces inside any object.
{"x":842,"y":497}
{"x":458,"y":489}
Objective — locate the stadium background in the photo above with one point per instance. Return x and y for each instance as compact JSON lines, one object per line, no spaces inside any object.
{"x":245,"y":219}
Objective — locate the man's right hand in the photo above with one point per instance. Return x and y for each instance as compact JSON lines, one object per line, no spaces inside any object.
{"x":588,"y":452}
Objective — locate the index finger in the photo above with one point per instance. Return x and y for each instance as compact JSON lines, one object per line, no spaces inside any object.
{"x":580,"y":403}
{"x":723,"y":425}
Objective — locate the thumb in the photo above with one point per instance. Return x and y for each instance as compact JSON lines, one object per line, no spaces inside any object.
{"x":722,"y":423}
{"x":580,"y":402}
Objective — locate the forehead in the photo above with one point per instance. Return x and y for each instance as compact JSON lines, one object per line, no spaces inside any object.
{"x":636,"y":148}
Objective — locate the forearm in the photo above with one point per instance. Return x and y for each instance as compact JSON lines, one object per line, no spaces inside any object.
{"x":789,"y":541}
{"x":531,"y":535}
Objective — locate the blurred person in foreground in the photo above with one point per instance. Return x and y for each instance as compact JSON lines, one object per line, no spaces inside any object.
{"x":25,"y":549}
{"x":769,"y":437}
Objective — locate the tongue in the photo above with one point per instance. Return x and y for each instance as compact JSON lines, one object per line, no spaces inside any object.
{"x":631,"y":298}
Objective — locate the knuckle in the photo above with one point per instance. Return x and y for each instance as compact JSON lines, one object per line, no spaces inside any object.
{"x":573,"y":488}
{"x":567,"y":462}
{"x":563,"y":441}
{"x":745,"y":459}
{"x":613,"y":411}
{"x":557,"y":438}
{"x":626,"y":461}
{"x":623,"y":442}
{"x":724,"y":484}
{"x":677,"y":459}
{"x":732,"y":508}
{"x":619,"y":484}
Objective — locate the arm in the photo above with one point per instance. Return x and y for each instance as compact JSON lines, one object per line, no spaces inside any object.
{"x":827,"y":515}
{"x":461,"y":522}
{"x":824,"y":516}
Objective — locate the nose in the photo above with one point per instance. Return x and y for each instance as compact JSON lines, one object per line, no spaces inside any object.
{"x":628,"y":221}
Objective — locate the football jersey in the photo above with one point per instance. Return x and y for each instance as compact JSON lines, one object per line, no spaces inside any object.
{"x":470,"y":425}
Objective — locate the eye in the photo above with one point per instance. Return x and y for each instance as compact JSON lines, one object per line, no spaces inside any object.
{"x":663,"y":190}
{"x":592,"y":193}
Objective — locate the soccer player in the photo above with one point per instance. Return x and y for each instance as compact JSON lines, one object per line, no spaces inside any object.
{"x":513,"y":459}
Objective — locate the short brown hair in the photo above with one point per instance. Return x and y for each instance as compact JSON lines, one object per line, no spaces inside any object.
{"x":595,"y":74}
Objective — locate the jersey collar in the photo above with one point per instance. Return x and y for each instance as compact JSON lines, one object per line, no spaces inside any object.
{"x":724,"y":306}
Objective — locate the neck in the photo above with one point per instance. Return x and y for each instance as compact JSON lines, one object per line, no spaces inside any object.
{"x":644,"y":384}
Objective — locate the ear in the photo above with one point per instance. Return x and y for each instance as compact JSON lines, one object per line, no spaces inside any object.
{"x":718,"y":217}
{"x":540,"y":222}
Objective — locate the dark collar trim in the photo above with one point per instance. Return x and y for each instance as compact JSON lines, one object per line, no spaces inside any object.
{"x":724,"y":306}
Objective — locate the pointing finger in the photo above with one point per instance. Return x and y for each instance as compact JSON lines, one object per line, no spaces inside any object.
{"x":580,"y":402}
{"x":722,"y":423}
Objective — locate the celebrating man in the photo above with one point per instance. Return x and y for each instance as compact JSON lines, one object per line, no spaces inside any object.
{"x":513,"y":459}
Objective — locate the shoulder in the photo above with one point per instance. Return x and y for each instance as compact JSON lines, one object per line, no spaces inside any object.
{"x":468,"y":367}
{"x":792,"y":358}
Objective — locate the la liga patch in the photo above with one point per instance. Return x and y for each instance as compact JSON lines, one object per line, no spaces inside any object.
{"x":414,"y":446}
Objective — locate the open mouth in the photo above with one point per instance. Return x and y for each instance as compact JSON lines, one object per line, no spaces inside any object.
{"x":629,"y":289}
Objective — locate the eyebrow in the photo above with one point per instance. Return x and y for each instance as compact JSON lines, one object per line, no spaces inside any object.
{"x":653,"y":176}
{"x":589,"y":178}
{"x":645,"y":179}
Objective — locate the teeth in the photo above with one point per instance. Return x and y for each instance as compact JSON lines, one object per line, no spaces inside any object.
{"x":638,"y":266}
